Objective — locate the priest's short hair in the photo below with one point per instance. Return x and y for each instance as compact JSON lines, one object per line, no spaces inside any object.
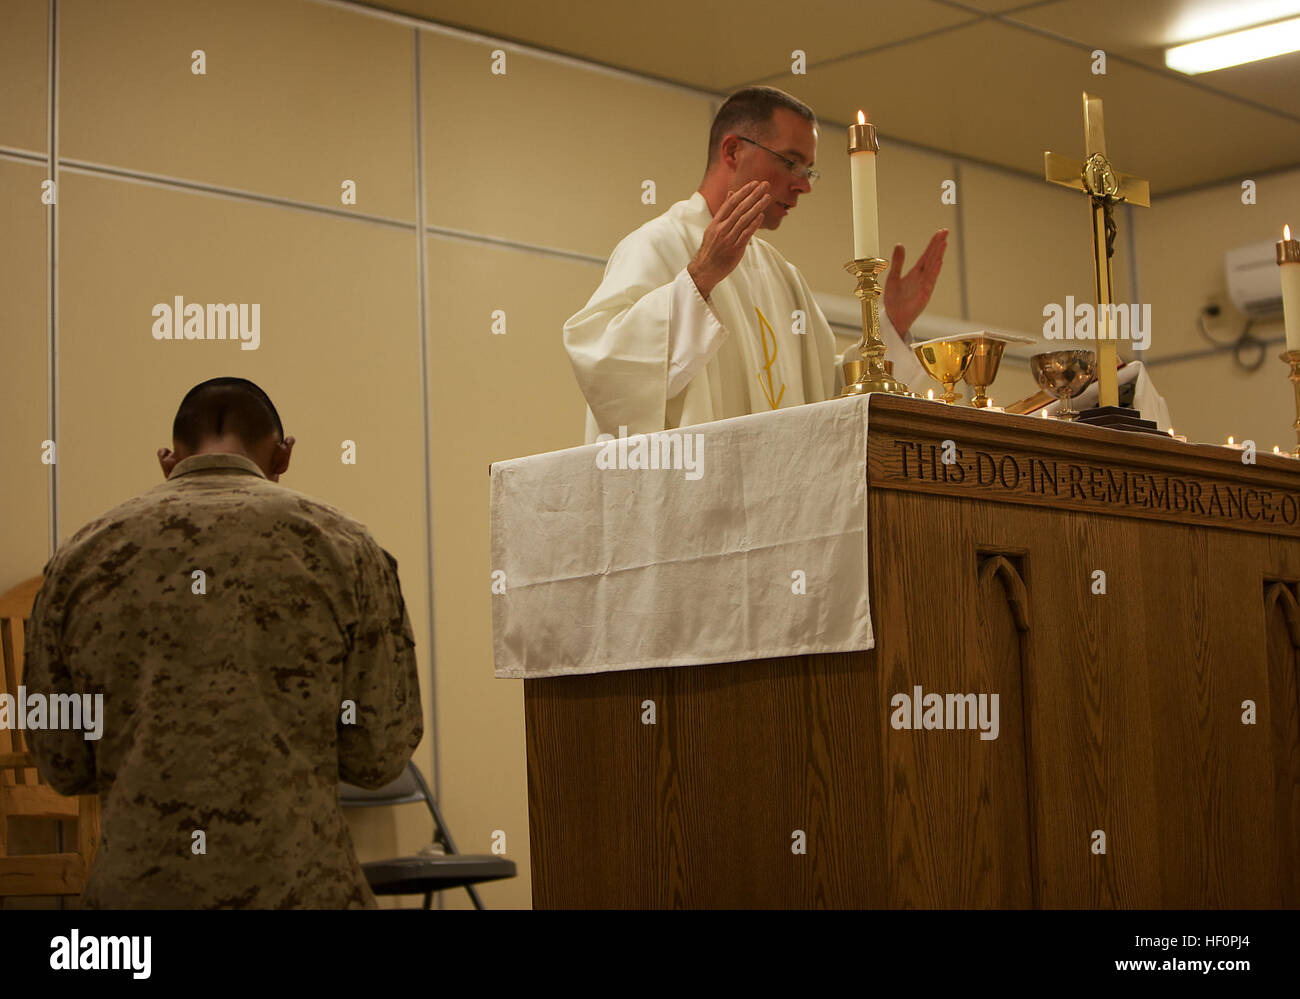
{"x":749,"y":112}
{"x":223,"y":406}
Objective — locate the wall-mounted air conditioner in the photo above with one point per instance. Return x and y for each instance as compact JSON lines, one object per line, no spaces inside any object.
{"x":1254,"y":282}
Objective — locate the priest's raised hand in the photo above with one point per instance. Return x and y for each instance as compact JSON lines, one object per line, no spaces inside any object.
{"x":728,"y":234}
{"x":907,"y":296}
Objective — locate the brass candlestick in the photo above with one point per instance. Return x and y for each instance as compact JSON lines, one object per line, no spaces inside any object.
{"x":1293,"y":358}
{"x":875,"y":376}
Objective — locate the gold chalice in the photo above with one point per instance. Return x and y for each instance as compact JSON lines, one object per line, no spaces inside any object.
{"x":945,"y":361}
{"x":1064,"y":373}
{"x":986,"y":355}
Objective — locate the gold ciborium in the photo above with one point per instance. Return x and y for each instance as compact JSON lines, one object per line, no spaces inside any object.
{"x":1064,"y":373}
{"x":986,"y":355}
{"x":946,"y":361}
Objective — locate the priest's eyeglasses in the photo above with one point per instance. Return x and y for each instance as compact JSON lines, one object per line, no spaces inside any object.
{"x":798,"y":169}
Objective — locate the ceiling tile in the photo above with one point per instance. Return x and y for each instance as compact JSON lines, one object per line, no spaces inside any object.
{"x":1123,"y":24}
{"x":1003,"y":95}
{"x":1272,"y":82}
{"x":1143,"y":32}
{"x":717,"y":45}
{"x":1003,"y":6}
{"x":996,"y":81}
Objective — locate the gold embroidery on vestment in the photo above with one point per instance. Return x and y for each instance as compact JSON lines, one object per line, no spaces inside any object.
{"x":768,"y":389}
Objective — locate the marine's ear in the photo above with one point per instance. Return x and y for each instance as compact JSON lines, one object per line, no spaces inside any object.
{"x":167,"y":460}
{"x":280,"y":458}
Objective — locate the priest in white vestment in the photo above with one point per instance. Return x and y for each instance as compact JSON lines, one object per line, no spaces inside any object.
{"x":697,"y":319}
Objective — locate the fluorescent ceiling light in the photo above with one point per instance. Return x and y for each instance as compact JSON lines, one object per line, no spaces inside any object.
{"x":1250,"y":45}
{"x":1203,"y":18}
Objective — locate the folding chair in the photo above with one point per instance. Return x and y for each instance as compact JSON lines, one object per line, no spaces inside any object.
{"x":423,"y":873}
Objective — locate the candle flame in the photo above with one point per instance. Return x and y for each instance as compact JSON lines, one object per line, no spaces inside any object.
{"x":1286,"y":229}
{"x":862,"y":120}
{"x":1043,"y":413}
{"x":1171,"y":431}
{"x":1276,"y":449}
{"x":1230,"y":440}
{"x":929,"y":393}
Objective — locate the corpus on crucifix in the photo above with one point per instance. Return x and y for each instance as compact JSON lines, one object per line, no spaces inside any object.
{"x":1107,"y":188}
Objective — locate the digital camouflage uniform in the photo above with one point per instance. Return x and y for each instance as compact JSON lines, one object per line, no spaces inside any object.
{"x":222,"y":711}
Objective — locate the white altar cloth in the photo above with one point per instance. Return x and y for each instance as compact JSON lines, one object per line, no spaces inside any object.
{"x":753,"y":546}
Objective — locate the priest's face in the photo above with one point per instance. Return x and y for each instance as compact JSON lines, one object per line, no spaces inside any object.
{"x":789,"y":136}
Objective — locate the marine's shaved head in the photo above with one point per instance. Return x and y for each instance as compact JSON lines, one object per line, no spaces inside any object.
{"x":221,"y":407}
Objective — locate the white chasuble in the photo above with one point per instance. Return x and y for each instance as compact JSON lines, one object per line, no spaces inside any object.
{"x":651,"y":354}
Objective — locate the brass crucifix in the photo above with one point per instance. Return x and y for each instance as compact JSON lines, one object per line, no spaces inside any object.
{"x":1107,"y":188}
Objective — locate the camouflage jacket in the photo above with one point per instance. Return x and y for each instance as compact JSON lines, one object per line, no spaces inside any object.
{"x":252,"y":648}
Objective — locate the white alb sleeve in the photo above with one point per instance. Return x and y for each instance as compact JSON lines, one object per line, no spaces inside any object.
{"x":907,"y":368}
{"x":694,"y":333}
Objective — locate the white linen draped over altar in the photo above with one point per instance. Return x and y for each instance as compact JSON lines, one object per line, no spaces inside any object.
{"x":761,"y":554}
{"x":647,"y":332}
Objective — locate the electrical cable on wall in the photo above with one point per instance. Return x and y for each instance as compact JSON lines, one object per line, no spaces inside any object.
{"x":1248,"y":351}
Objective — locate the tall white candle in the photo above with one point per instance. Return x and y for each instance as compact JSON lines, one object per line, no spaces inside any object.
{"x":862,"y":176}
{"x":1288,"y":259}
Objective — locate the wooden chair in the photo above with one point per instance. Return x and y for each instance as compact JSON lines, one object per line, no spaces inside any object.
{"x":22,"y":794}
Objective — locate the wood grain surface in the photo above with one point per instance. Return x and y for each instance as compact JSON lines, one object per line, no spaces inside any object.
{"x":1120,"y":717}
